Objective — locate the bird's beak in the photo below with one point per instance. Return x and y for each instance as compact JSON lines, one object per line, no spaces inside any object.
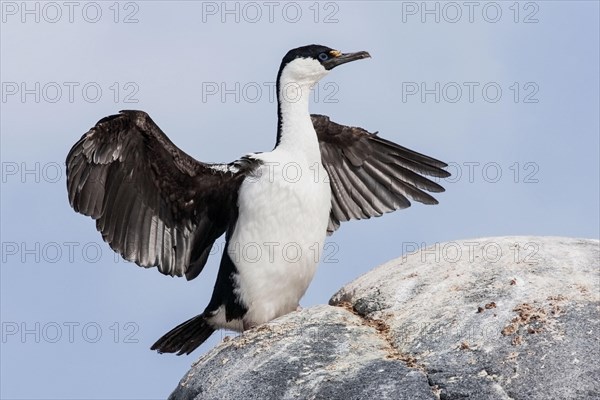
{"x":339,"y":58}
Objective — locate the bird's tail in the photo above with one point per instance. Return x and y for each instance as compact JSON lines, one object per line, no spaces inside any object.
{"x":185,"y":337}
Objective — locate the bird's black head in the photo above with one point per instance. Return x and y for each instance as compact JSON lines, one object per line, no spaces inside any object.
{"x":303,"y":67}
{"x":326,"y":56}
{"x":306,"y":65}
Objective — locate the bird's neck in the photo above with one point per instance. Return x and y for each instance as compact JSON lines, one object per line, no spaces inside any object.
{"x":295,"y":131}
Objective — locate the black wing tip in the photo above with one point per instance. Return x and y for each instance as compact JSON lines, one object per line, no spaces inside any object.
{"x":431,"y":202}
{"x":443,"y":173}
{"x":432,"y":187}
{"x":439,"y":166}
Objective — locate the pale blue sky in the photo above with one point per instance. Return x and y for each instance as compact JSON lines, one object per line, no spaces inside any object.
{"x":542,"y":138}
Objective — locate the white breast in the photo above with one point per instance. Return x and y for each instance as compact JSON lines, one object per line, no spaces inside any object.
{"x":283,"y":210}
{"x":279,"y":235}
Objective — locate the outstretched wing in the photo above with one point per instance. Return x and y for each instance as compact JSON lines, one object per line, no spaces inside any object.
{"x":154,"y":204}
{"x":369,"y":175}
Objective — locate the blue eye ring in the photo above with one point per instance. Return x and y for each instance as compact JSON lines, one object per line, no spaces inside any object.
{"x":323,"y":56}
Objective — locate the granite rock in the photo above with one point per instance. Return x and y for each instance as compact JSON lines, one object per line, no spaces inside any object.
{"x":494,"y":318}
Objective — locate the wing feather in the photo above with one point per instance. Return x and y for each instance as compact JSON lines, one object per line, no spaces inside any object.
{"x":358,"y":191}
{"x":371,"y":175}
{"x":154,"y":204}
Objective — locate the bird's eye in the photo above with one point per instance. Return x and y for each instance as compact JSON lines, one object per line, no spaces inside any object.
{"x":323,"y":56}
